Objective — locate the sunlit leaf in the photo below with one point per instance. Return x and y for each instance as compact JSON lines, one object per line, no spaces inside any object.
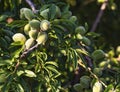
{"x":30,"y":73}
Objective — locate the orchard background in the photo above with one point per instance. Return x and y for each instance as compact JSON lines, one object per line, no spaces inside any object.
{"x":59,"y":46}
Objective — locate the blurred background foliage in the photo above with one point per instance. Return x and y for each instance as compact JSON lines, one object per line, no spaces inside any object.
{"x":87,"y":10}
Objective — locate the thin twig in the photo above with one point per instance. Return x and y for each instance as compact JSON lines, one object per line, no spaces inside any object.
{"x":28,"y":51}
{"x":89,"y":70}
{"x":31,"y":5}
{"x":23,"y":55}
{"x":102,"y":9}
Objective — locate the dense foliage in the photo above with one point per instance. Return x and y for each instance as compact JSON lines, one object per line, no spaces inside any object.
{"x":49,"y":49}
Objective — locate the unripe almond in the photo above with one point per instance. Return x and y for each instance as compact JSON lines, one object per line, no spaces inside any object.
{"x":78,"y":36}
{"x":101,"y":1}
{"x":103,"y":64}
{"x":97,"y":87}
{"x":98,"y":71}
{"x":27,"y":29}
{"x":73,"y":18}
{"x":78,"y":87}
{"x":28,"y":14}
{"x":45,"y":25}
{"x":63,"y":52}
{"x":80,"y":30}
{"x":85,"y":81}
{"x":29,"y":43}
{"x":86,"y":41}
{"x":42,"y":38}
{"x":35,"y":24}
{"x":98,"y":54}
{"x":19,"y":37}
{"x":33,"y":34}
{"x":118,"y":50}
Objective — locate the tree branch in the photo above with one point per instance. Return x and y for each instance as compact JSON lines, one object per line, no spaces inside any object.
{"x":23,"y":55}
{"x":31,"y":5}
{"x":103,"y":7}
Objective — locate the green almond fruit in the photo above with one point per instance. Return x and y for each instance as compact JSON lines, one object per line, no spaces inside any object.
{"x":98,"y":54}
{"x":42,"y":38}
{"x":118,"y":50}
{"x":29,"y":43}
{"x":86,"y":41}
{"x":63,"y":52}
{"x":78,"y":87}
{"x":33,"y":34}
{"x":27,"y":29}
{"x":97,"y":87}
{"x":19,"y":37}
{"x":45,"y":25}
{"x":28,"y":13}
{"x":100,"y":1}
{"x":44,"y":13}
{"x":3,"y":42}
{"x":73,"y":18}
{"x":85,"y":81}
{"x":35,"y":24}
{"x":98,"y":71}
{"x":103,"y":64}
{"x":79,"y":36}
{"x":80,"y":30}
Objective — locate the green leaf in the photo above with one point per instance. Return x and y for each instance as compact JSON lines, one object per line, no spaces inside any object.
{"x":117,"y":89}
{"x":3,"y":42}
{"x":5,"y":62}
{"x":3,"y":77}
{"x":8,"y":32}
{"x":44,"y":7}
{"x":19,"y":73}
{"x":82,"y":51}
{"x":51,"y":68}
{"x":16,"y":44}
{"x":30,"y":73}
{"x":20,"y":88}
{"x":17,"y":23}
{"x":24,"y":85}
{"x":51,"y":63}
{"x":109,"y":88}
{"x":75,"y":59}
{"x":86,"y":27}
{"x":52,"y":11}
{"x":6,"y":86}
